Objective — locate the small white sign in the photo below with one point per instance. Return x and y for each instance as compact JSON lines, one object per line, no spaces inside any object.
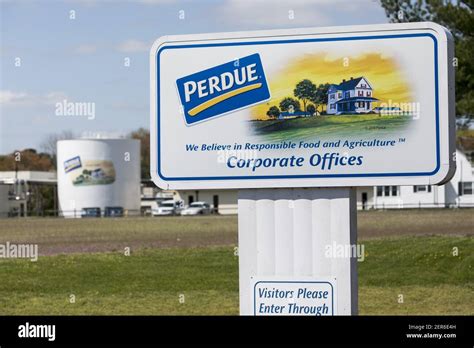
{"x":294,"y":297}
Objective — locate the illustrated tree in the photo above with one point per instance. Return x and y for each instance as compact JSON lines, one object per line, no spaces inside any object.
{"x":273,"y":112}
{"x":320,"y":96}
{"x":311,"y":109}
{"x":458,"y":17}
{"x":287,"y":102}
{"x":304,"y":91}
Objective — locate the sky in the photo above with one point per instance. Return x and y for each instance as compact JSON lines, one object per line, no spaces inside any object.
{"x":96,"y":52}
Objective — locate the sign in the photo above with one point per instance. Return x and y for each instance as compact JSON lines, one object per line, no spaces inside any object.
{"x":293,"y":297}
{"x":322,"y":107}
{"x":72,"y":164}
{"x":222,"y":89}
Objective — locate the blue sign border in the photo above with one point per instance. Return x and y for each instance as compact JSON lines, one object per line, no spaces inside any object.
{"x":292,"y":282}
{"x":303,"y":176}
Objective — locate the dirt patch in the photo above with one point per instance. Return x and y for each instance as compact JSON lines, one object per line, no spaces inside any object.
{"x":57,"y":236}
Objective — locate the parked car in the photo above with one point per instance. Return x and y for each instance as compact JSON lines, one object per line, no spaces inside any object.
{"x":197,"y":208}
{"x":113,"y":212}
{"x":148,"y":204}
{"x":90,"y":212}
{"x":167,"y":208}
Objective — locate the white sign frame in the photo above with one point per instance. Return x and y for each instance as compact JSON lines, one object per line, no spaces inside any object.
{"x":445,"y":110}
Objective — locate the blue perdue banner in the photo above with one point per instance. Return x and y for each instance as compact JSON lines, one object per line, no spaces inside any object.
{"x":315,"y":107}
{"x":72,"y":164}
{"x":223,"y":88}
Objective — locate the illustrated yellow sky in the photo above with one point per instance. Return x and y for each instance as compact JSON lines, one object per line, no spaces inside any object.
{"x":380,"y":70}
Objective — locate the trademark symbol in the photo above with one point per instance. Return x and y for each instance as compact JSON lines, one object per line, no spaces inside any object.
{"x":401,"y":140}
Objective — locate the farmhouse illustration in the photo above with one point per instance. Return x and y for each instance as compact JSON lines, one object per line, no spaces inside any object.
{"x":353,"y":96}
{"x":95,"y":173}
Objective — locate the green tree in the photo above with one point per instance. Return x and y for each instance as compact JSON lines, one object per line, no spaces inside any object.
{"x":28,"y":159}
{"x":273,"y":112}
{"x":304,"y":91}
{"x":287,"y":102}
{"x":143,"y":135}
{"x":458,"y":17}
{"x":311,"y":109}
{"x":320,"y":96}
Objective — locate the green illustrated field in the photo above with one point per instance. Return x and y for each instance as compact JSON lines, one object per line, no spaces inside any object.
{"x":89,"y":181}
{"x":307,"y":128}
{"x":415,"y":262}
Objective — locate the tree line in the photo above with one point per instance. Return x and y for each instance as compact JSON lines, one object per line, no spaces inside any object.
{"x":311,"y":96}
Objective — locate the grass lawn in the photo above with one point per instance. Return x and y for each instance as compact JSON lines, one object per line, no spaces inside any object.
{"x":153,"y":281}
{"x":306,"y":128}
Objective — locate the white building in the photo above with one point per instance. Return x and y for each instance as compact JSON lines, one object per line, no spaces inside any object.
{"x":460,"y":188}
{"x":11,"y":204}
{"x":17,"y":187}
{"x":456,"y":193}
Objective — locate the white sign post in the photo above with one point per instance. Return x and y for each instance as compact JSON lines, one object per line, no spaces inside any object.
{"x":284,"y":234}
{"x":296,"y":119}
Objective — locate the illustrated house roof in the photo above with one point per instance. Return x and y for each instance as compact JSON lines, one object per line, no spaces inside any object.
{"x":350,"y":84}
{"x":347,"y":85}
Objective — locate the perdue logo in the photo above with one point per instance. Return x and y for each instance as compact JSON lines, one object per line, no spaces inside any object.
{"x":72,"y":164}
{"x":223,"y":88}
